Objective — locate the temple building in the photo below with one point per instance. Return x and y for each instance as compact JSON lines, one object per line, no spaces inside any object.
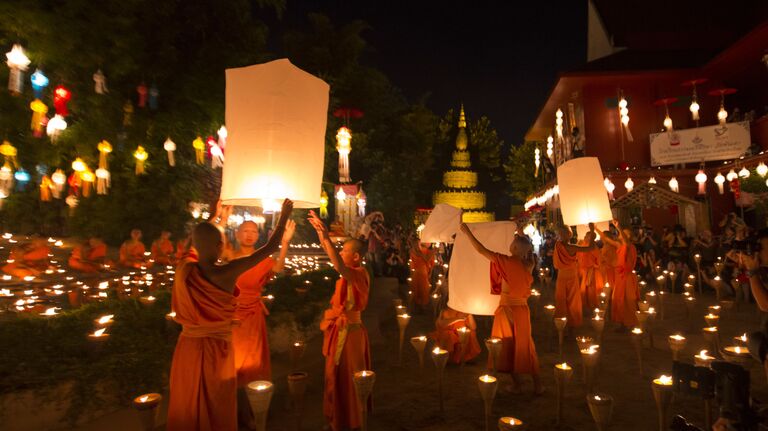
{"x":460,"y":182}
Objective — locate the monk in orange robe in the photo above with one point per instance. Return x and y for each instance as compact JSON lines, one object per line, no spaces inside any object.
{"x":89,"y":257}
{"x":162,"y":249}
{"x":345,"y":341}
{"x":511,"y":278}
{"x":626,"y":289}
{"x":447,"y":335}
{"x":422,"y":262}
{"x":28,"y":259}
{"x":568,"y":287}
{"x":589,"y":273}
{"x":132,"y":251}
{"x":203,"y":383}
{"x":608,"y":258}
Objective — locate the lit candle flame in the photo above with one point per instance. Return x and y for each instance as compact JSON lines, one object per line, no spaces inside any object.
{"x":743,"y":337}
{"x":99,"y":332}
{"x":143,"y":398}
{"x":677,"y":337}
{"x":637,"y":331}
{"x":487,"y":379}
{"x":663,"y":380}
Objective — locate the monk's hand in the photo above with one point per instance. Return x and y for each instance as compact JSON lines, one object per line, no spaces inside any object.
{"x":285,"y":212}
{"x":290,"y":228}
{"x":318,"y":224}
{"x":591,"y":227}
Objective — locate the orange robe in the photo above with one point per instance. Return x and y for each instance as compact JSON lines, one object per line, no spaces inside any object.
{"x":249,"y":338}
{"x":626,"y":292}
{"x":203,"y":384}
{"x":90,"y":261}
{"x":447,"y":337}
{"x":512,"y":319}
{"x":346,"y":350}
{"x":421,"y":268}
{"x":162,"y":251}
{"x":132,"y":254}
{"x":26,"y":263}
{"x":608,"y":264}
{"x":567,"y":289}
{"x":590,"y":276}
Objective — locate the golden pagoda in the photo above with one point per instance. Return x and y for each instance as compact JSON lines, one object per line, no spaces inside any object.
{"x":460,"y":182}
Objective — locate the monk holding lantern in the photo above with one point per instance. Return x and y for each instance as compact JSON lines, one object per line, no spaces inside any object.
{"x":568,"y":287}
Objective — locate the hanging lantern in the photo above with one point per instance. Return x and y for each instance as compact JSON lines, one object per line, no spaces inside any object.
{"x":722,"y":114}
{"x":199,"y":147}
{"x":323,"y":205}
{"x":673,"y":185}
{"x":154,"y":93}
{"x":744,"y":172}
{"x":536,"y":161}
{"x":102,"y":181}
{"x":652,"y":180}
{"x":550,"y":147}
{"x":668,"y":123}
{"x":104,"y":148}
{"x":624,"y":117}
{"x":762,"y":169}
{"x":141,"y":156}
{"x":55,"y":126}
{"x":39,"y":109}
{"x":9,"y":153}
{"x":79,"y":165}
{"x":217,"y":155}
{"x":629,"y":184}
{"x":72,"y":202}
{"x":88,"y":178}
{"x":609,"y":186}
{"x":100,"y":82}
{"x":701,"y":178}
{"x":18,"y":63}
{"x":222,"y":134}
{"x":127,"y":113}
{"x":61,"y":96}
{"x":142,"y":95}
{"x":731,"y":175}
{"x":169,"y":146}
{"x":344,"y":147}
{"x":361,"y":201}
{"x":694,"y":108}
{"x":46,"y":185}
{"x":39,"y":82}
{"x":720,"y":180}
{"x":559,"y":123}
{"x":340,"y":195}
{"x":59,"y":179}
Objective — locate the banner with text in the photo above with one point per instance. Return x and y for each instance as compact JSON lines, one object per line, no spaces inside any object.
{"x":701,"y":144}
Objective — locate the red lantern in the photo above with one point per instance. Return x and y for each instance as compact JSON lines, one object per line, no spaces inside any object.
{"x":736,"y":189}
{"x":142,"y":90}
{"x":61,"y":97}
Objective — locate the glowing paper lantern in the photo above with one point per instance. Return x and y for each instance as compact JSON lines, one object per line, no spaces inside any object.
{"x":78,"y":165}
{"x":39,"y":109}
{"x":624,"y":117}
{"x":609,"y":187}
{"x":100,"y":82}
{"x":344,"y":147}
{"x":141,"y":156}
{"x":217,"y":155}
{"x":59,"y":179}
{"x":559,"y":123}
{"x":104,"y":148}
{"x":701,"y":178}
{"x":88,"y":178}
{"x":18,"y":62}
{"x":170,"y":146}
{"x":469,"y":285}
{"x":652,"y":180}
{"x":222,"y":134}
{"x":39,"y":82}
{"x":276,"y":117}
{"x":629,"y":184}
{"x":102,"y":181}
{"x":362,"y":199}
{"x":442,"y":224}
{"x":199,"y":147}
{"x":762,"y":169}
{"x":731,"y":175}
{"x":744,"y":172}
{"x":720,"y":180}
{"x":582,"y":194}
{"x":323,"y":205}
{"x":61,"y":96}
{"x":55,"y":126}
{"x":537,"y":161}
{"x":673,"y":185}
{"x":550,"y":146}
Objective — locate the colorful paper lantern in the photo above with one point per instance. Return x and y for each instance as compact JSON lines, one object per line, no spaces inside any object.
{"x":731,"y":175}
{"x":100,"y":82}
{"x":39,"y":82}
{"x":199,"y":147}
{"x":17,"y":62}
{"x":55,"y":126}
{"x":104,"y":148}
{"x":9,"y":153}
{"x":141,"y":156}
{"x":344,"y":147}
{"x":39,"y":109}
{"x":169,"y":146}
{"x":59,"y":180}
{"x":79,"y":165}
{"x":61,"y":96}
{"x":46,"y":185}
{"x":550,"y":147}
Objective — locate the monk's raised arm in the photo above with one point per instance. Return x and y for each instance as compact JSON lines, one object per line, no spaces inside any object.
{"x":330,"y":250}
{"x":475,"y":243}
{"x":290,"y":228}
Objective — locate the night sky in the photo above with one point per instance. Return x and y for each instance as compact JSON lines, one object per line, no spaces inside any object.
{"x":500,"y":58}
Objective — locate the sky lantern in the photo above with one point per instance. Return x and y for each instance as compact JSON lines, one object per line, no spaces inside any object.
{"x":276,"y":117}
{"x":583,"y":197}
{"x":17,"y":62}
{"x":441,"y":225}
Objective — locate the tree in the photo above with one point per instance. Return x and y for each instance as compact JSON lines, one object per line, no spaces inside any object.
{"x":520,"y":170}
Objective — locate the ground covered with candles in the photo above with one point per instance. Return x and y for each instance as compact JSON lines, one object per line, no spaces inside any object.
{"x":406,"y":397}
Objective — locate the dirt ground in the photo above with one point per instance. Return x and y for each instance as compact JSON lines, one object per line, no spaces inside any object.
{"x":405,"y":398}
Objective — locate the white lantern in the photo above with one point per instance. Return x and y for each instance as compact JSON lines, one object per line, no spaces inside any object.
{"x":673,"y":185}
{"x":55,"y":126}
{"x":341,"y":195}
{"x":582,"y":194}
{"x":169,"y":146}
{"x":694,"y":108}
{"x":668,"y":123}
{"x":720,"y":180}
{"x":559,"y":123}
{"x":222,"y":133}
{"x":762,"y":169}
{"x":722,"y":115}
{"x":537,"y":160}
{"x":652,"y":180}
{"x":701,"y":178}
{"x":731,"y":175}
{"x":442,"y":224}
{"x":629,"y":184}
{"x":550,"y":146}
{"x":744,"y":172}
{"x":18,"y":63}
{"x":609,"y":186}
{"x":276,"y":117}
{"x":344,"y":147}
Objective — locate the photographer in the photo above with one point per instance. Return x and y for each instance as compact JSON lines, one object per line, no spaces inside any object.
{"x":756,"y":266}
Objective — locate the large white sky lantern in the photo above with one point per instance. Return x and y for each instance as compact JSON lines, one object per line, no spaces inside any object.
{"x":469,"y":286}
{"x":583,"y":197}
{"x":442,"y":224}
{"x":276,"y":116}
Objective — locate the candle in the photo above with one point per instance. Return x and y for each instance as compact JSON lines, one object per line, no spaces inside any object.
{"x":548,"y":307}
{"x":564,"y":366}
{"x":438,"y":351}
{"x":509,"y":423}
{"x":703,"y":359}
{"x":711,"y":329}
{"x":663,"y":380}
{"x":49,"y":312}
{"x":485,"y":378}
{"x":105,"y":320}
{"x":637,"y":331}
{"x":98,"y":335}
{"x":147,"y":401}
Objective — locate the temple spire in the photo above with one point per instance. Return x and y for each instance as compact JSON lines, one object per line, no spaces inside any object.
{"x":462,"y":118}
{"x":461,"y":137}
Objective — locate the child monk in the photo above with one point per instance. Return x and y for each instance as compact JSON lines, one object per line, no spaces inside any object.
{"x":28,"y":259}
{"x":203,"y":383}
{"x":345,"y":342}
{"x":589,"y":272}
{"x":568,"y":287}
{"x":511,"y":278}
{"x":447,"y":335}
{"x":626,"y":289}
{"x":89,"y":256}
{"x":132,"y":251}
{"x":422,"y":262}
{"x":162,"y":249}
{"x":249,"y":338}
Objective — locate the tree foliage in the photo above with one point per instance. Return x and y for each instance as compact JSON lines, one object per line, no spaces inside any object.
{"x":520,"y":169}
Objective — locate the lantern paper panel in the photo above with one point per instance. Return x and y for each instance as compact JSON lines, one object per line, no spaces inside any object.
{"x":469,"y":286}
{"x":442,"y":224}
{"x":276,"y":117}
{"x":583,"y":197}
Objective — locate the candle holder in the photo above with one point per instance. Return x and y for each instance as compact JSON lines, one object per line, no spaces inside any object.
{"x":661,"y":301}
{"x":637,"y":339}
{"x":663,"y":394}
{"x":598,"y":325}
{"x":697,"y":260}
{"x":584,"y":342}
{"x":400,"y":309}
{"x":493,"y":345}
{"x":712,"y":319}
{"x":419,"y":343}
{"x":712,"y":337}
{"x":440,"y":358}
{"x":508,"y":423}
{"x":295,"y":353}
{"x":643,"y":306}
{"x":703,"y":359}
{"x":402,"y":323}
{"x":487,"y":385}
{"x":463,"y":337}
{"x":690,"y":303}
{"x":364,"y":381}
{"x":601,"y":408}
{"x":563,"y":373}
{"x":726,"y":306}
{"x":719,"y":265}
{"x":297,"y":387}
{"x":737,"y":355}
{"x":435,"y":300}
{"x":676,"y":344}
{"x":688,"y":287}
{"x":589,"y":358}
{"x":672,"y":281}
{"x":714,"y":309}
{"x":397,"y":302}
{"x":560,"y":323}
{"x":147,"y":407}
{"x":549,"y":313}
{"x":741,"y":340}
{"x":661,"y":282}
{"x":642,"y":318}
{"x":651,"y":313}
{"x":259,"y":397}
{"x":97,"y":340}
{"x":717,"y":283}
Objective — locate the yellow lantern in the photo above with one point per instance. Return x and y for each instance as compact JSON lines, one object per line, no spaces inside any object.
{"x":39,"y":109}
{"x":104,"y":148}
{"x":199,"y":147}
{"x":88,"y":178}
{"x":323,"y":205}
{"x":344,"y":147}
{"x":46,"y":185}
{"x":141,"y":156}
{"x":79,"y":165}
{"x":9,"y":153}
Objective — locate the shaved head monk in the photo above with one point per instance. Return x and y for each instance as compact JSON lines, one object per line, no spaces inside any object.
{"x":345,"y":342}
{"x":203,"y":379}
{"x":132,"y":251}
{"x":568,"y":286}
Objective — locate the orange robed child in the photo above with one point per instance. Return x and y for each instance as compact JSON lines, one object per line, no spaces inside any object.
{"x":203,"y":382}
{"x":511,"y":278}
{"x":90,"y":256}
{"x":132,"y":251}
{"x":568,"y":287}
{"x":249,"y":338}
{"x":345,"y":341}
{"x":589,"y":273}
{"x":28,"y":259}
{"x":422,"y":262}
{"x":626,"y":289}
{"x":162,"y":249}
{"x":447,"y":335}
